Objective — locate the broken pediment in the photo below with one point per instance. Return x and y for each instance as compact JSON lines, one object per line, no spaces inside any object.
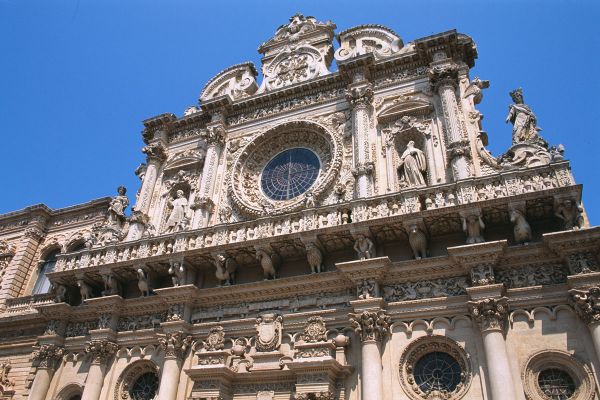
{"x":382,"y":42}
{"x":237,"y":81}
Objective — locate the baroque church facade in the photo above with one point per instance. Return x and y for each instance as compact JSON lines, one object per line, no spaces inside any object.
{"x":315,"y":234}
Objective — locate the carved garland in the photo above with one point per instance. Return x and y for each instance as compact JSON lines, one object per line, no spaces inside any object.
{"x":543,"y":360}
{"x":423,"y":346}
{"x":244,"y":187}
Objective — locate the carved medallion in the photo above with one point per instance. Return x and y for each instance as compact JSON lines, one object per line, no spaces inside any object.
{"x":268,"y":332}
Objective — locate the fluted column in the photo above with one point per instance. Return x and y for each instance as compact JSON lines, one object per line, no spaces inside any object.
{"x":491,"y":314}
{"x":372,"y":327}
{"x":155,"y":155}
{"x":215,"y":139}
{"x":48,"y":357}
{"x":444,"y":80}
{"x":585,"y":303}
{"x":360,"y":97}
{"x":175,"y":344}
{"x":100,"y":350}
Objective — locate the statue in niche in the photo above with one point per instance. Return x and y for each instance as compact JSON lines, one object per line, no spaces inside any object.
{"x":178,"y":218}
{"x":525,"y":129}
{"x":412,"y":165}
{"x":116,"y":208}
{"x":570,"y":213}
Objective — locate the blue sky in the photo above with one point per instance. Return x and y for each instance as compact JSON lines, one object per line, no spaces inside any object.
{"x":79,"y":76}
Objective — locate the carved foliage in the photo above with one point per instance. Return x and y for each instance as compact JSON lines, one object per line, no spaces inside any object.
{"x":371,"y":325}
{"x":586,"y":303}
{"x":47,"y":355}
{"x":425,"y":289}
{"x":100,"y":350}
{"x":175,"y":344}
{"x":489,"y":313}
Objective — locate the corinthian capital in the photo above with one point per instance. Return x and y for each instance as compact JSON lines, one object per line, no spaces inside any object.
{"x":490,"y":313}
{"x":215,"y":135}
{"x":175,"y":344}
{"x":442,"y":75}
{"x":100,"y":350}
{"x":586,"y":304}
{"x":370,"y":325}
{"x":155,"y":152}
{"x":360,"y":95}
{"x":47,"y":355}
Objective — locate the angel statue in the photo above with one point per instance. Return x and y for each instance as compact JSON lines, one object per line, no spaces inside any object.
{"x":412,"y":165}
{"x":178,"y":216}
{"x":116,"y":208}
{"x":524,"y":121}
{"x":475,"y":89}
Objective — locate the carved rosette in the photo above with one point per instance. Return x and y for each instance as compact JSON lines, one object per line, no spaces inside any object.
{"x":215,"y":340}
{"x":155,"y":152}
{"x":361,"y":96}
{"x":371,"y":325}
{"x":175,"y":344}
{"x":586,"y":304}
{"x":100,"y":350}
{"x":315,"y":330}
{"x":48,"y":355}
{"x":489,"y":313}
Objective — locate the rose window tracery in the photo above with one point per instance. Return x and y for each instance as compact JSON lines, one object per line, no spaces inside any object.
{"x":556,"y":384}
{"x":144,"y":387}
{"x":290,"y":173}
{"x":279,"y":168}
{"x":437,"y":371}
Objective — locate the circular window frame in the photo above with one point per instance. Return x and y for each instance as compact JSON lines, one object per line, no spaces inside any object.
{"x":281,"y":152}
{"x":130,"y":375}
{"x":561,"y":360}
{"x":244,"y":185}
{"x":429,"y":344}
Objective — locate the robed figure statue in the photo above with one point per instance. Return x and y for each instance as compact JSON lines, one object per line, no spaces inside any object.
{"x":178,"y":213}
{"x":525,"y":129}
{"x":412,"y":165}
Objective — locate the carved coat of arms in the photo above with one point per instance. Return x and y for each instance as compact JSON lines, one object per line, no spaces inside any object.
{"x":268,"y":332}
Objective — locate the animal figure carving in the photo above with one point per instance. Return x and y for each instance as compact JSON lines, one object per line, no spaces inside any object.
{"x":473,"y":226}
{"x":417,"y":241}
{"x":315,"y":258}
{"x":84,"y":289}
{"x":267,"y":263}
{"x":225,"y":269}
{"x":177,"y":272}
{"x":143,"y":284}
{"x":521,"y":230}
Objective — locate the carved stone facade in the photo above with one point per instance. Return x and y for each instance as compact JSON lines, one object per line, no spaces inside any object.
{"x":316,"y":233}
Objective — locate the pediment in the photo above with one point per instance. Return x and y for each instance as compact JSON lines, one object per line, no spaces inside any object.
{"x":237,"y":81}
{"x":378,"y":40}
{"x":186,"y":159}
{"x":397,"y":107}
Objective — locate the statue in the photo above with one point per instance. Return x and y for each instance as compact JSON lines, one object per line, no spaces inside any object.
{"x":177,"y":272}
{"x":267,"y":263}
{"x":225,"y":269}
{"x":364,"y":247}
{"x":178,"y":214}
{"x":143,"y":284}
{"x":412,"y":165}
{"x":59,"y":292}
{"x":309,"y":200}
{"x":473,"y":226}
{"x":315,"y":258}
{"x":84,"y":289}
{"x":570,"y":213}
{"x":111,"y":285}
{"x":521,"y":230}
{"x":417,"y":241}
{"x":116,"y":208}
{"x":367,"y":289}
{"x":525,"y":129}
{"x":475,"y":89}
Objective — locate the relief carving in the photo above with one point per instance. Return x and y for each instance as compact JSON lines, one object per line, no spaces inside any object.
{"x":268,"y":332}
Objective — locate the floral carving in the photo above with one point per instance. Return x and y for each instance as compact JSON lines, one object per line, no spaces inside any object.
{"x":586,"y":303}
{"x":425,"y":289}
{"x":47,"y":355}
{"x":371,"y":325}
{"x":215,"y":340}
{"x":100,"y":350}
{"x":315,"y":330}
{"x":531,"y":275}
{"x":175,"y":344}
{"x":489,"y":313}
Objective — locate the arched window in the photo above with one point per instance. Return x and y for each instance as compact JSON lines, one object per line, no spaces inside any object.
{"x":42,"y":284}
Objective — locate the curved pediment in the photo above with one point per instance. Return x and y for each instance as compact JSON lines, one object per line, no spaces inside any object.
{"x":186,"y":159}
{"x":399,"y":107}
{"x":237,"y":81}
{"x":382,"y":42}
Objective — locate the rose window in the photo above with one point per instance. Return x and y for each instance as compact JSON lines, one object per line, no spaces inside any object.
{"x":145,"y":387}
{"x":437,"y":371}
{"x":290,"y":173}
{"x":556,"y":384}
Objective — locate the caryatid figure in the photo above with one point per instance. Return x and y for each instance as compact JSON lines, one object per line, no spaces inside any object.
{"x":364,"y":247}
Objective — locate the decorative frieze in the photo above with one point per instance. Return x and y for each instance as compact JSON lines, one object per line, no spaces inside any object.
{"x":532,"y":275}
{"x":425,"y":289}
{"x":80,"y":328}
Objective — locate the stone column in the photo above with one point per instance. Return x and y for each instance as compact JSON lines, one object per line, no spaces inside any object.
{"x":48,"y":357}
{"x":155,"y":155}
{"x":445,"y":80}
{"x":585,"y":303}
{"x":372,"y":327}
{"x":215,"y":140}
{"x":360,"y":97}
{"x":491,"y":314}
{"x":100,"y":350}
{"x":175,"y":344}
